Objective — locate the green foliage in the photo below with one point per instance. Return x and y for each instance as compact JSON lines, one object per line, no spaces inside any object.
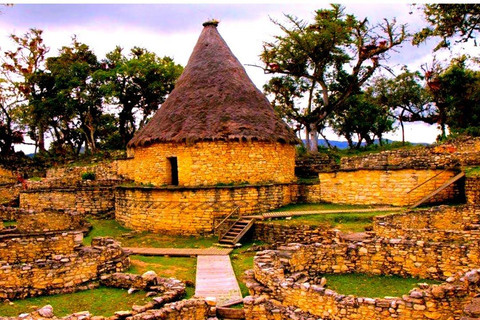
{"x":314,"y":63}
{"x":472,"y":172}
{"x":88,"y":176}
{"x":100,"y":302}
{"x":362,"y":285}
{"x":136,"y":85}
{"x":449,"y":20}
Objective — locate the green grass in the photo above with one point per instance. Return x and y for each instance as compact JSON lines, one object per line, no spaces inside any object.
{"x":111,"y":228}
{"x":321,"y":206}
{"x":100,"y":302}
{"x":10,"y":223}
{"x":242,"y":260}
{"x":347,"y":222}
{"x":362,"y":285}
{"x":472,"y":172}
{"x":181,"y":268}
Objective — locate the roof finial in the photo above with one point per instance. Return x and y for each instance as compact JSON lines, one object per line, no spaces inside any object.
{"x":212,"y":22}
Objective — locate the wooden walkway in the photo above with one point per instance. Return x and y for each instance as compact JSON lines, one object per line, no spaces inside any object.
{"x":281,"y":214}
{"x":180,"y":252}
{"x":215,"y":278}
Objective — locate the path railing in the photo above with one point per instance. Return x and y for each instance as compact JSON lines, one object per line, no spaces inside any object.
{"x":222,"y":227}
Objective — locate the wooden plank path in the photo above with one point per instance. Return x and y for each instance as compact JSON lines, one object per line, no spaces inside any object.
{"x":179,"y":252}
{"x":215,"y":278}
{"x":281,"y":214}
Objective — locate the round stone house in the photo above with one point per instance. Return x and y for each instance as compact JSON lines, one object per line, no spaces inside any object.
{"x":216,"y":129}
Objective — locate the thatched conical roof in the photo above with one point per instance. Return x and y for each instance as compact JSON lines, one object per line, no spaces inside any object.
{"x":214,"y":99}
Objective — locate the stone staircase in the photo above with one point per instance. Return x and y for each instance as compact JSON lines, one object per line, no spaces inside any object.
{"x":237,"y":231}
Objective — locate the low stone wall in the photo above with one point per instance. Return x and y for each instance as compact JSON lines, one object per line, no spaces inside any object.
{"x":445,"y":301}
{"x":43,"y":221}
{"x":62,"y":273}
{"x":9,"y":192}
{"x":392,"y":187}
{"x":277,"y":234}
{"x":95,"y":201}
{"x":7,"y":176}
{"x":438,"y":224}
{"x":9,"y":213}
{"x":28,"y":248}
{"x":311,"y":165}
{"x":192,"y":211}
{"x":380,"y":256}
{"x":68,"y":175}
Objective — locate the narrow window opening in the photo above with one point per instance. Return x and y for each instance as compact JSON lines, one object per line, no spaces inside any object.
{"x":173,"y":170}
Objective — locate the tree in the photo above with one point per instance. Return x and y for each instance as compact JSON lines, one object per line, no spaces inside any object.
{"x":458,"y":89}
{"x":449,"y":20}
{"x":330,"y":59}
{"x":365,"y":118}
{"x":78,"y":101}
{"x":405,"y":97}
{"x":137,"y":85}
{"x":15,"y":69}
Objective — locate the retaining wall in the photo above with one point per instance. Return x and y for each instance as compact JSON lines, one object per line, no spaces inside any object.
{"x":96,"y":201}
{"x":384,"y":186}
{"x":193,"y":210}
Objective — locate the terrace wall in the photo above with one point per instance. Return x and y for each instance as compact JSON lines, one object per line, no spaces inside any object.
{"x":193,"y":211}
{"x":97,"y":201}
{"x":384,"y":186}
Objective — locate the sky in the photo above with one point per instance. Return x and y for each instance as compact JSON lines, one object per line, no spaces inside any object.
{"x":170,"y":29}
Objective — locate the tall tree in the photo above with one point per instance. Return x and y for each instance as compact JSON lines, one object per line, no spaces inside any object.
{"x":138,"y":85}
{"x":332,"y":58}
{"x":17,"y":66}
{"x":78,"y":98}
{"x":450,"y":20}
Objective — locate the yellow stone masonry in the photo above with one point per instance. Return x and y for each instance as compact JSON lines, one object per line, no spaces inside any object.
{"x":211,"y":163}
{"x":382,"y":186}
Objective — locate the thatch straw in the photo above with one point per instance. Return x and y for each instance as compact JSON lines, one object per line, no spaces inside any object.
{"x":214,"y":99}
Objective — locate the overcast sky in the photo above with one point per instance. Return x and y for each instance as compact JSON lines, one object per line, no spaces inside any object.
{"x":173,"y":29}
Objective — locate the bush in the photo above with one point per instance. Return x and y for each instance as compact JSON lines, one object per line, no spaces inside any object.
{"x":88,"y":176}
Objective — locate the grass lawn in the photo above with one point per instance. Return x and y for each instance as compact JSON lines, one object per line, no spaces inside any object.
{"x":100,"y":302}
{"x":322,"y":206}
{"x":362,"y":285}
{"x":181,"y":268}
{"x":128,"y":238}
{"x":347,"y":222}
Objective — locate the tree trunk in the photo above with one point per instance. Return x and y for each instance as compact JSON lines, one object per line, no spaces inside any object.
{"x":313,"y":146}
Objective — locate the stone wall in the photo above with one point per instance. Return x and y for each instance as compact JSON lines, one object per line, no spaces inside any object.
{"x":44,"y":221}
{"x":385,"y":186}
{"x":95,"y":201}
{"x":69,"y":175}
{"x":472,"y":190}
{"x":193,"y":210}
{"x":63,"y":272}
{"x":9,"y":192}
{"x":312,"y":164}
{"x":277,"y":234}
{"x":445,"y":301}
{"x":211,"y":163}
{"x":431,"y":260}
{"x":438,"y":224}
{"x":28,"y":248}
{"x":464,"y":152}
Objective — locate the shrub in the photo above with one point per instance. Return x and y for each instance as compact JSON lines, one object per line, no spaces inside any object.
{"x":88,"y":176}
